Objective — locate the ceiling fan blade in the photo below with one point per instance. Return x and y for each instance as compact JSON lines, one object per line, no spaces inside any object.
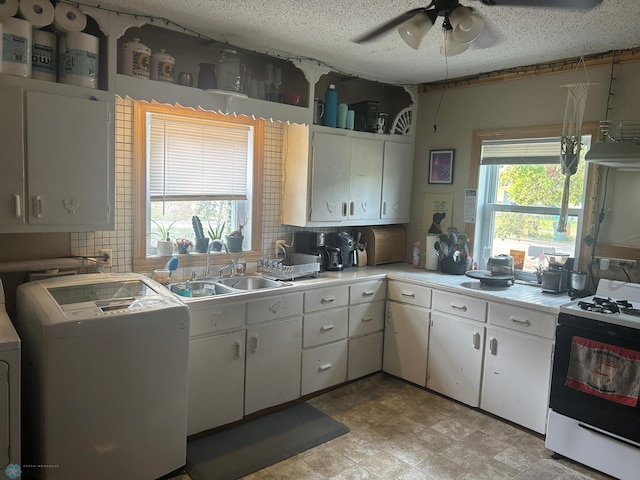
{"x":566,"y":4}
{"x":385,"y":27}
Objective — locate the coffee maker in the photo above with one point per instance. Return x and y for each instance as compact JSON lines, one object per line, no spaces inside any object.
{"x":555,"y":276}
{"x":347,"y":245}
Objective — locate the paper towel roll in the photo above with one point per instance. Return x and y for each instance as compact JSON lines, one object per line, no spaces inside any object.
{"x":68,"y":18}
{"x":38,"y":12}
{"x":16,"y":53}
{"x":43,"y":56}
{"x":430,"y":253}
{"x":79,"y":59}
{"x":8,"y":8}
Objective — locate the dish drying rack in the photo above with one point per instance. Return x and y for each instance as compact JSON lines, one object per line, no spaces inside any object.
{"x":296,"y":266}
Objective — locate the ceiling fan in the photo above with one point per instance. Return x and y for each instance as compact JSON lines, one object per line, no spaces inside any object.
{"x":461,"y":25}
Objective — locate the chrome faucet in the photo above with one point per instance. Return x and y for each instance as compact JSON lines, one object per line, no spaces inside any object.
{"x":231,"y":267}
{"x":217,"y":241}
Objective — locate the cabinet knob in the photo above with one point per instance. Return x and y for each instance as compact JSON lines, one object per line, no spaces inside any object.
{"x":367,"y":319}
{"x":17,"y":206}
{"x":37,"y":206}
{"x":462,"y":308}
{"x":409,"y":294}
{"x":236,"y":350}
{"x":325,"y":367}
{"x":367,"y":293}
{"x":476,"y":340}
{"x":326,"y":328}
{"x":325,"y":300}
{"x":254,"y":344}
{"x":493,"y":346}
{"x":525,"y":323}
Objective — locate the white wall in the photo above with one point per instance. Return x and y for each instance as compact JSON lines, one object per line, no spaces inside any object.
{"x":533,"y":101}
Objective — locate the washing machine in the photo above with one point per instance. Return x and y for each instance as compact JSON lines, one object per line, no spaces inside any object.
{"x":9,"y":390}
{"x":104,"y":377}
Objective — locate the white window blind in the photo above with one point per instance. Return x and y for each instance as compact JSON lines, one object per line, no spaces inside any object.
{"x":197,"y":159}
{"x":530,"y":151}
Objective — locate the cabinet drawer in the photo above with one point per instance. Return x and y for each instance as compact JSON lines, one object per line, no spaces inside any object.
{"x":324,"y":298}
{"x":460,"y":305}
{"x":324,"y":366}
{"x":325,"y":327}
{"x":410,"y":293}
{"x":273,"y":308}
{"x":525,"y":320}
{"x":365,"y":355}
{"x":216,"y":318}
{"x":367,"y":292}
{"x":366,"y":318}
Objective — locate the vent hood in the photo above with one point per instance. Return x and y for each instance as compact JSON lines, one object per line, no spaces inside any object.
{"x":621,"y":146}
{"x":615,"y":154}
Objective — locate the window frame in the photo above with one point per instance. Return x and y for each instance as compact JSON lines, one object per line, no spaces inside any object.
{"x":479,"y":136}
{"x":142,"y":262}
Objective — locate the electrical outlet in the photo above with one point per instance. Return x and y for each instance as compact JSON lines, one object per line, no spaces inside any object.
{"x":106,"y":254}
{"x":607,"y":263}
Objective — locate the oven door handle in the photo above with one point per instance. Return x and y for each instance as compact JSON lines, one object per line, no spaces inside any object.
{"x":605,"y":434}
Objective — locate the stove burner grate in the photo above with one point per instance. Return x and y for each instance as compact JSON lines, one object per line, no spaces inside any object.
{"x":608,"y":306}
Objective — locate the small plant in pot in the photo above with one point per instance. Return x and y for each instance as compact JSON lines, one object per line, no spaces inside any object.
{"x":235,"y":239}
{"x":164,"y":244}
{"x":216,"y":234}
{"x":183,"y":245}
{"x":202,"y":242}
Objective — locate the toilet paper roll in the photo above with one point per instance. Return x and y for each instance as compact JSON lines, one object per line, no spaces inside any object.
{"x":68,"y":18}
{"x":430,"y":253}
{"x":8,"y":8}
{"x":43,"y":56}
{"x":16,"y":40}
{"x":38,"y":12}
{"x":79,"y":59}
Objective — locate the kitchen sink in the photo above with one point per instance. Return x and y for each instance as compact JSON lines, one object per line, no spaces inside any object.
{"x":249,"y":283}
{"x":209,"y":286}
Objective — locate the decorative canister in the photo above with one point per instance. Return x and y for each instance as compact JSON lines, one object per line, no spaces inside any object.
{"x":207,"y":76}
{"x":162,"y":66}
{"x":136,"y":59}
{"x":228,"y":71}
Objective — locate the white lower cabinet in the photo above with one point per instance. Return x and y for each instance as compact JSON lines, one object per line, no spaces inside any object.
{"x":365,"y":355}
{"x":455,"y":357}
{"x":216,"y":381}
{"x":272,"y":375}
{"x":517,"y":370}
{"x":406,"y":342}
{"x":324,"y":366}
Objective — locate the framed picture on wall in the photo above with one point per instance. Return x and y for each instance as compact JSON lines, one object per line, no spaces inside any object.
{"x":441,"y":166}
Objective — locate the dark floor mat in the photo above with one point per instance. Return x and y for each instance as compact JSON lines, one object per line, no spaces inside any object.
{"x":254,"y":445}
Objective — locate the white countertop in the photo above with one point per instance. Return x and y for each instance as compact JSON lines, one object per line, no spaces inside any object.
{"x":524,"y":295}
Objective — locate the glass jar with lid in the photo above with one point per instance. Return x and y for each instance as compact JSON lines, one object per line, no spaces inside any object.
{"x":228,"y":71}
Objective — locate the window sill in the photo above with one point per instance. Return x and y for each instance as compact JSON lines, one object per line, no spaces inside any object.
{"x":192,"y":260}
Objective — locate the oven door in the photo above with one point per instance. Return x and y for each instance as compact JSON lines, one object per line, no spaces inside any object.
{"x":599,"y":412}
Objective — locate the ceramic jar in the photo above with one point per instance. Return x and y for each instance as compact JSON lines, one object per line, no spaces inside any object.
{"x":162,"y":66}
{"x":136,"y":59}
{"x":207,"y":76}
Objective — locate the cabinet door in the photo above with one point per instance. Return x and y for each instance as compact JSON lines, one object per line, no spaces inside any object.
{"x":455,"y":358}
{"x":406,"y":340}
{"x":12,"y":156}
{"x":517,"y":377}
{"x":216,"y":381}
{"x":273,"y":364}
{"x":365,"y":355}
{"x":397,"y":174}
{"x":5,"y":443}
{"x":330,"y":177}
{"x":67,"y":160}
{"x":366,"y":179}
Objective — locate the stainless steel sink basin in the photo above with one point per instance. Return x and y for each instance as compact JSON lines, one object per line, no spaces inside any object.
{"x":200,"y":288}
{"x":249,"y":283}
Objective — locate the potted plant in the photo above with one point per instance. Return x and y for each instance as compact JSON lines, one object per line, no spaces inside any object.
{"x":164,"y":245}
{"x":202,"y":242}
{"x":235,"y":239}
{"x":183,"y":245}
{"x":216,"y":234}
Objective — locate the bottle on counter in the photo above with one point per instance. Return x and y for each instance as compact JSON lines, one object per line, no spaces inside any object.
{"x":331,"y":106}
{"x":415,"y":259}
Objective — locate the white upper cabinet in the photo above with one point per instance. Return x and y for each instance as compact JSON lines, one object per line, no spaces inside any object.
{"x":397,"y":175}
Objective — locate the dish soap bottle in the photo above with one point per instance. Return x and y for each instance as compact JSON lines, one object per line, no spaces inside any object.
{"x":331,"y":106}
{"x":415,"y":260}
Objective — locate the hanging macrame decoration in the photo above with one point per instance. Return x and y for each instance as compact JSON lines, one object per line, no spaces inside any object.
{"x":571,"y":140}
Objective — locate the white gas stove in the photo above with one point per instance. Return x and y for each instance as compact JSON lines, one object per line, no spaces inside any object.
{"x":615,"y":302}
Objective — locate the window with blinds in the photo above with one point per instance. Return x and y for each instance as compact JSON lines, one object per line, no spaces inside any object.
{"x":197,"y":159}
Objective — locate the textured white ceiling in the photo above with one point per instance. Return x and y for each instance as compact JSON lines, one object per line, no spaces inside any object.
{"x":323,"y":29}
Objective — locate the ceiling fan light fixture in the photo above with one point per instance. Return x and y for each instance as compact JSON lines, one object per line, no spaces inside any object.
{"x":467,"y":26}
{"x":450,"y":48}
{"x":413,"y":31}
